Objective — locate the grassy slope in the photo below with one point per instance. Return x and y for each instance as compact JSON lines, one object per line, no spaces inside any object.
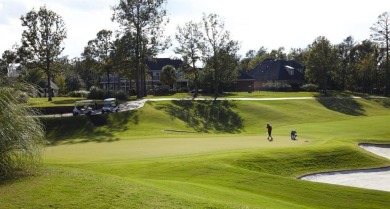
{"x":138,"y":165}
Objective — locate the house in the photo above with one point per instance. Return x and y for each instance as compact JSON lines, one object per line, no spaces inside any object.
{"x":278,"y":71}
{"x":244,"y":82}
{"x":155,"y":66}
{"x":154,"y":70}
{"x":115,"y":83}
{"x":44,"y":90}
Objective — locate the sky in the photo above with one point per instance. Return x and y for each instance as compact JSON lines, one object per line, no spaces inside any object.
{"x":253,"y":23}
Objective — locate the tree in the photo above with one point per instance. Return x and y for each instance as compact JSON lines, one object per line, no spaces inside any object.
{"x":42,"y":40}
{"x":3,"y":67}
{"x":278,"y":54}
{"x":9,"y":58}
{"x":144,"y":20}
{"x":322,"y":62}
{"x":190,"y":39}
{"x":297,"y":54}
{"x":346,"y":55}
{"x":124,"y":57}
{"x":168,"y":75}
{"x":220,"y":52}
{"x":260,"y":56}
{"x":381,"y":34}
{"x":228,"y":65}
{"x":87,"y":69}
{"x":100,"y":49}
{"x":366,"y":74}
{"x":21,"y":134}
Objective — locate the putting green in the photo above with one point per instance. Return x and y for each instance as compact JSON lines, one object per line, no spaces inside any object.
{"x":125,"y":150}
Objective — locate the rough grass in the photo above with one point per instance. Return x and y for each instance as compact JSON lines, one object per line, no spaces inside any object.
{"x":134,"y":163}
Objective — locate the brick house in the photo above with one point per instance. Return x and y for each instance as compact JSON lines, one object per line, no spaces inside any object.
{"x":277,"y":71}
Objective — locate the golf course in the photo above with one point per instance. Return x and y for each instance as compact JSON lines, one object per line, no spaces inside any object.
{"x":209,"y":153}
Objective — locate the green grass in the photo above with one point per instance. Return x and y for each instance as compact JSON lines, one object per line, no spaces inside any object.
{"x":218,"y":157}
{"x":255,"y":94}
{"x":56,"y":101}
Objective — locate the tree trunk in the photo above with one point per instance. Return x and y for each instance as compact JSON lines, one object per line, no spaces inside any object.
{"x":108,"y":79}
{"x":387,"y":80}
{"x":48,"y":78}
{"x":195,"y":80}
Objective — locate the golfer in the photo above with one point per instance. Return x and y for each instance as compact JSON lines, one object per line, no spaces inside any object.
{"x":269,"y":128}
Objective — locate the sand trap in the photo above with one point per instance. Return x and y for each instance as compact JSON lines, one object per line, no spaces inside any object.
{"x":377,"y":179}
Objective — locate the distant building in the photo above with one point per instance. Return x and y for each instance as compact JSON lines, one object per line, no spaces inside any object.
{"x":155,"y":66}
{"x":12,"y":70}
{"x":154,"y":70}
{"x":244,"y":82}
{"x":278,"y":71}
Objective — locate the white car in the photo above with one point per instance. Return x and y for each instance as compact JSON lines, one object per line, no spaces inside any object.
{"x":83,"y":107}
{"x":110,"y":105}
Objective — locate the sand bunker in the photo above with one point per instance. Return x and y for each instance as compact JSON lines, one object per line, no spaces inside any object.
{"x":377,"y":179}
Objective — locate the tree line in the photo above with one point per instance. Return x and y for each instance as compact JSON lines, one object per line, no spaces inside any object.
{"x":210,"y":55}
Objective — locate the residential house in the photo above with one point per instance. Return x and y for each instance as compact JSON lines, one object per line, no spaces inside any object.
{"x":154,"y":70}
{"x":155,"y":67}
{"x":244,"y":82}
{"x":115,"y":83}
{"x":43,"y":90}
{"x":278,"y":71}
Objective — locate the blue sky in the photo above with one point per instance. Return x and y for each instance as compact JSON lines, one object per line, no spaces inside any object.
{"x":254,"y":23}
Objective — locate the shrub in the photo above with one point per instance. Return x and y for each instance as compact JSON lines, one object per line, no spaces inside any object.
{"x":310,"y":87}
{"x":97,"y":93}
{"x":79,"y":93}
{"x":275,"y":86}
{"x":161,"y":91}
{"x":120,"y":95}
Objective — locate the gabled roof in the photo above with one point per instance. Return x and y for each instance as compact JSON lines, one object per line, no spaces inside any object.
{"x":278,"y":70}
{"x":53,"y":86}
{"x":245,"y":76}
{"x":159,"y":63}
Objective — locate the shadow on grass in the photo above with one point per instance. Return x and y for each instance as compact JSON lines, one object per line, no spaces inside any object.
{"x":384,"y":101}
{"x":95,"y":128}
{"x":97,"y":136}
{"x":119,"y":121}
{"x":66,"y":101}
{"x":342,"y":103}
{"x":206,"y":116}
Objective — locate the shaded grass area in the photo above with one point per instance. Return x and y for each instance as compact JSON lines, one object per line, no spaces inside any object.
{"x":345,"y":105}
{"x":206,"y":116}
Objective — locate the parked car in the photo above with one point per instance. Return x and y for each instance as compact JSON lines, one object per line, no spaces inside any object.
{"x":84,"y":107}
{"x":110,"y":105}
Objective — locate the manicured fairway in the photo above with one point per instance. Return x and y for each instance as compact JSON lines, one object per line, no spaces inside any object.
{"x":214,"y":155}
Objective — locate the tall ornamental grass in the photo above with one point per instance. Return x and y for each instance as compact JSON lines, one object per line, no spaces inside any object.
{"x":21,"y":134}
